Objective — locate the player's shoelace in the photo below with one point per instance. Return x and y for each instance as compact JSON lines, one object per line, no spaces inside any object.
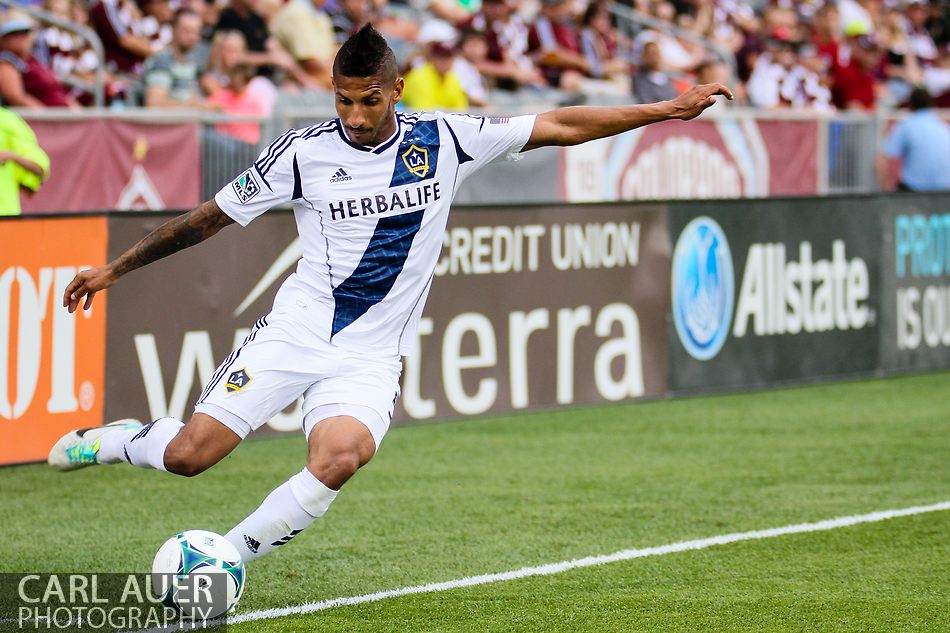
{"x":83,"y":452}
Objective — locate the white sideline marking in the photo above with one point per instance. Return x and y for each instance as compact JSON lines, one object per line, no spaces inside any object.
{"x":590,"y":561}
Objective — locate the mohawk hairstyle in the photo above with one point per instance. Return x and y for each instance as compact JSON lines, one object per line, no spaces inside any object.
{"x":366,"y":54}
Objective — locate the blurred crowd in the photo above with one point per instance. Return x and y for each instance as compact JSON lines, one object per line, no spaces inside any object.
{"x":243,"y":56}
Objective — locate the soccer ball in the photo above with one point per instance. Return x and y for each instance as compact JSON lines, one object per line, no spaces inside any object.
{"x":199,"y":574}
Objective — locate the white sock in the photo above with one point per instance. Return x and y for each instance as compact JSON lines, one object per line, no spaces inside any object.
{"x":285,"y":512}
{"x":144,"y":447}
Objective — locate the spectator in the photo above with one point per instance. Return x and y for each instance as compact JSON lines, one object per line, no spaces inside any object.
{"x":922,"y":143}
{"x":118,"y":24}
{"x":210,"y":12}
{"x":730,"y":20}
{"x":171,"y":76}
{"x":23,"y":163}
{"x":555,"y":44}
{"x":650,"y":84}
{"x":779,"y":80}
{"x":937,"y":79}
{"x":433,"y":85}
{"x":712,"y":71}
{"x":858,"y":17}
{"x":677,"y":56}
{"x":24,"y":80}
{"x":240,"y":100}
{"x":920,"y":41}
{"x":938,"y":23}
{"x":826,"y":36}
{"x":900,"y":63}
{"x":263,"y":51}
{"x":69,"y":56}
{"x":156,"y":23}
{"x":816,"y":82}
{"x":228,"y":49}
{"x":473,"y":51}
{"x":506,"y":63}
{"x":304,"y":29}
{"x":349,"y":16}
{"x":600,"y":43}
{"x":854,"y":85}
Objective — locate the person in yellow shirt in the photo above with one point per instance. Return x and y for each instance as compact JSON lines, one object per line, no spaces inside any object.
{"x":23,"y":164}
{"x":433,"y":85}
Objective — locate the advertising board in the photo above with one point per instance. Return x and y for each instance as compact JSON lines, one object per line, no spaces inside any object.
{"x":769,"y":291}
{"x":52,"y":363}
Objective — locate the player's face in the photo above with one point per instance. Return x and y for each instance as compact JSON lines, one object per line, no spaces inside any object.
{"x":366,"y":106}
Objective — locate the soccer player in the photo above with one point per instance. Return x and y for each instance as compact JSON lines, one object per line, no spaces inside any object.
{"x":371,"y":192}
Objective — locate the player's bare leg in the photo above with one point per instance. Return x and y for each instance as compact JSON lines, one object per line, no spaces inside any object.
{"x":165,"y":444}
{"x":199,"y":445}
{"x":338,"y":447}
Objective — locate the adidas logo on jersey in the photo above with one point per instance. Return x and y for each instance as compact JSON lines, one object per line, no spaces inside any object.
{"x":340,"y":176}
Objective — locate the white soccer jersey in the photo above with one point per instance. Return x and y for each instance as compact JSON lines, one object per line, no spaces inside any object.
{"x":371,"y":220}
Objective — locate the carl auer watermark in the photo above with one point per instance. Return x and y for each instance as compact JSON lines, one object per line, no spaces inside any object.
{"x":111,"y":602}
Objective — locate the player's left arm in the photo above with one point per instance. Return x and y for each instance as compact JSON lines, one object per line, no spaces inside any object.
{"x":579,"y":124}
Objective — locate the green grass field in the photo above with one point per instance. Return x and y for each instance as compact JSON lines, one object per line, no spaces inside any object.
{"x":446,"y":501}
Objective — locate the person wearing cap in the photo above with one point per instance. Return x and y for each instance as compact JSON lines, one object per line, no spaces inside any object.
{"x":922,"y":144}
{"x":433,"y":85}
{"x":24,"y":80}
{"x":857,"y":16}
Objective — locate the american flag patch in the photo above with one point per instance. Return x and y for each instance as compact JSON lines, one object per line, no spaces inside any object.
{"x":502,"y":120}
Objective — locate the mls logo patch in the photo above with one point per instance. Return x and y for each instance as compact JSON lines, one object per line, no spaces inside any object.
{"x":237,"y":381}
{"x":416,"y":160}
{"x":246,"y":186}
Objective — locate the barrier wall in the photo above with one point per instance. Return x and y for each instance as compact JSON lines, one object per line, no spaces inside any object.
{"x":531,"y":307}
{"x":104,"y":164}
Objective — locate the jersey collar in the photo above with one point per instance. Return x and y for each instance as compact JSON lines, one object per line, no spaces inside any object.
{"x":379,"y":149}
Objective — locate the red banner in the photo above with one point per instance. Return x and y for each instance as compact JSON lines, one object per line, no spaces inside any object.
{"x":108,"y":164}
{"x":734,"y":158}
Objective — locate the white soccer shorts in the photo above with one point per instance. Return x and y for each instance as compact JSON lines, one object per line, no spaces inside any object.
{"x":280,"y":360}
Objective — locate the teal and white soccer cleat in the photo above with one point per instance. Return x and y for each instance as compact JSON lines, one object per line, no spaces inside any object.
{"x":80,"y":448}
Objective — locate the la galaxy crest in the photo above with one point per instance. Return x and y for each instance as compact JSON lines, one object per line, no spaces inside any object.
{"x":416,"y":160}
{"x":237,"y":380}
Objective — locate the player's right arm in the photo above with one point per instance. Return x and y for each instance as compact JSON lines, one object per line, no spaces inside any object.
{"x":579,"y":124}
{"x":178,"y":233}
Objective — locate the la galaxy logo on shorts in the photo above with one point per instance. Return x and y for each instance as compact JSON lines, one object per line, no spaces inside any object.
{"x":237,"y":381}
{"x":246,"y":187}
{"x":416,"y":160}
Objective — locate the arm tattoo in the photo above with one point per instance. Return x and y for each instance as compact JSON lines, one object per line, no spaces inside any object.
{"x":178,"y":233}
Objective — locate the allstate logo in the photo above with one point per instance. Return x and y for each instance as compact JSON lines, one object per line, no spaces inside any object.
{"x":703,"y":288}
